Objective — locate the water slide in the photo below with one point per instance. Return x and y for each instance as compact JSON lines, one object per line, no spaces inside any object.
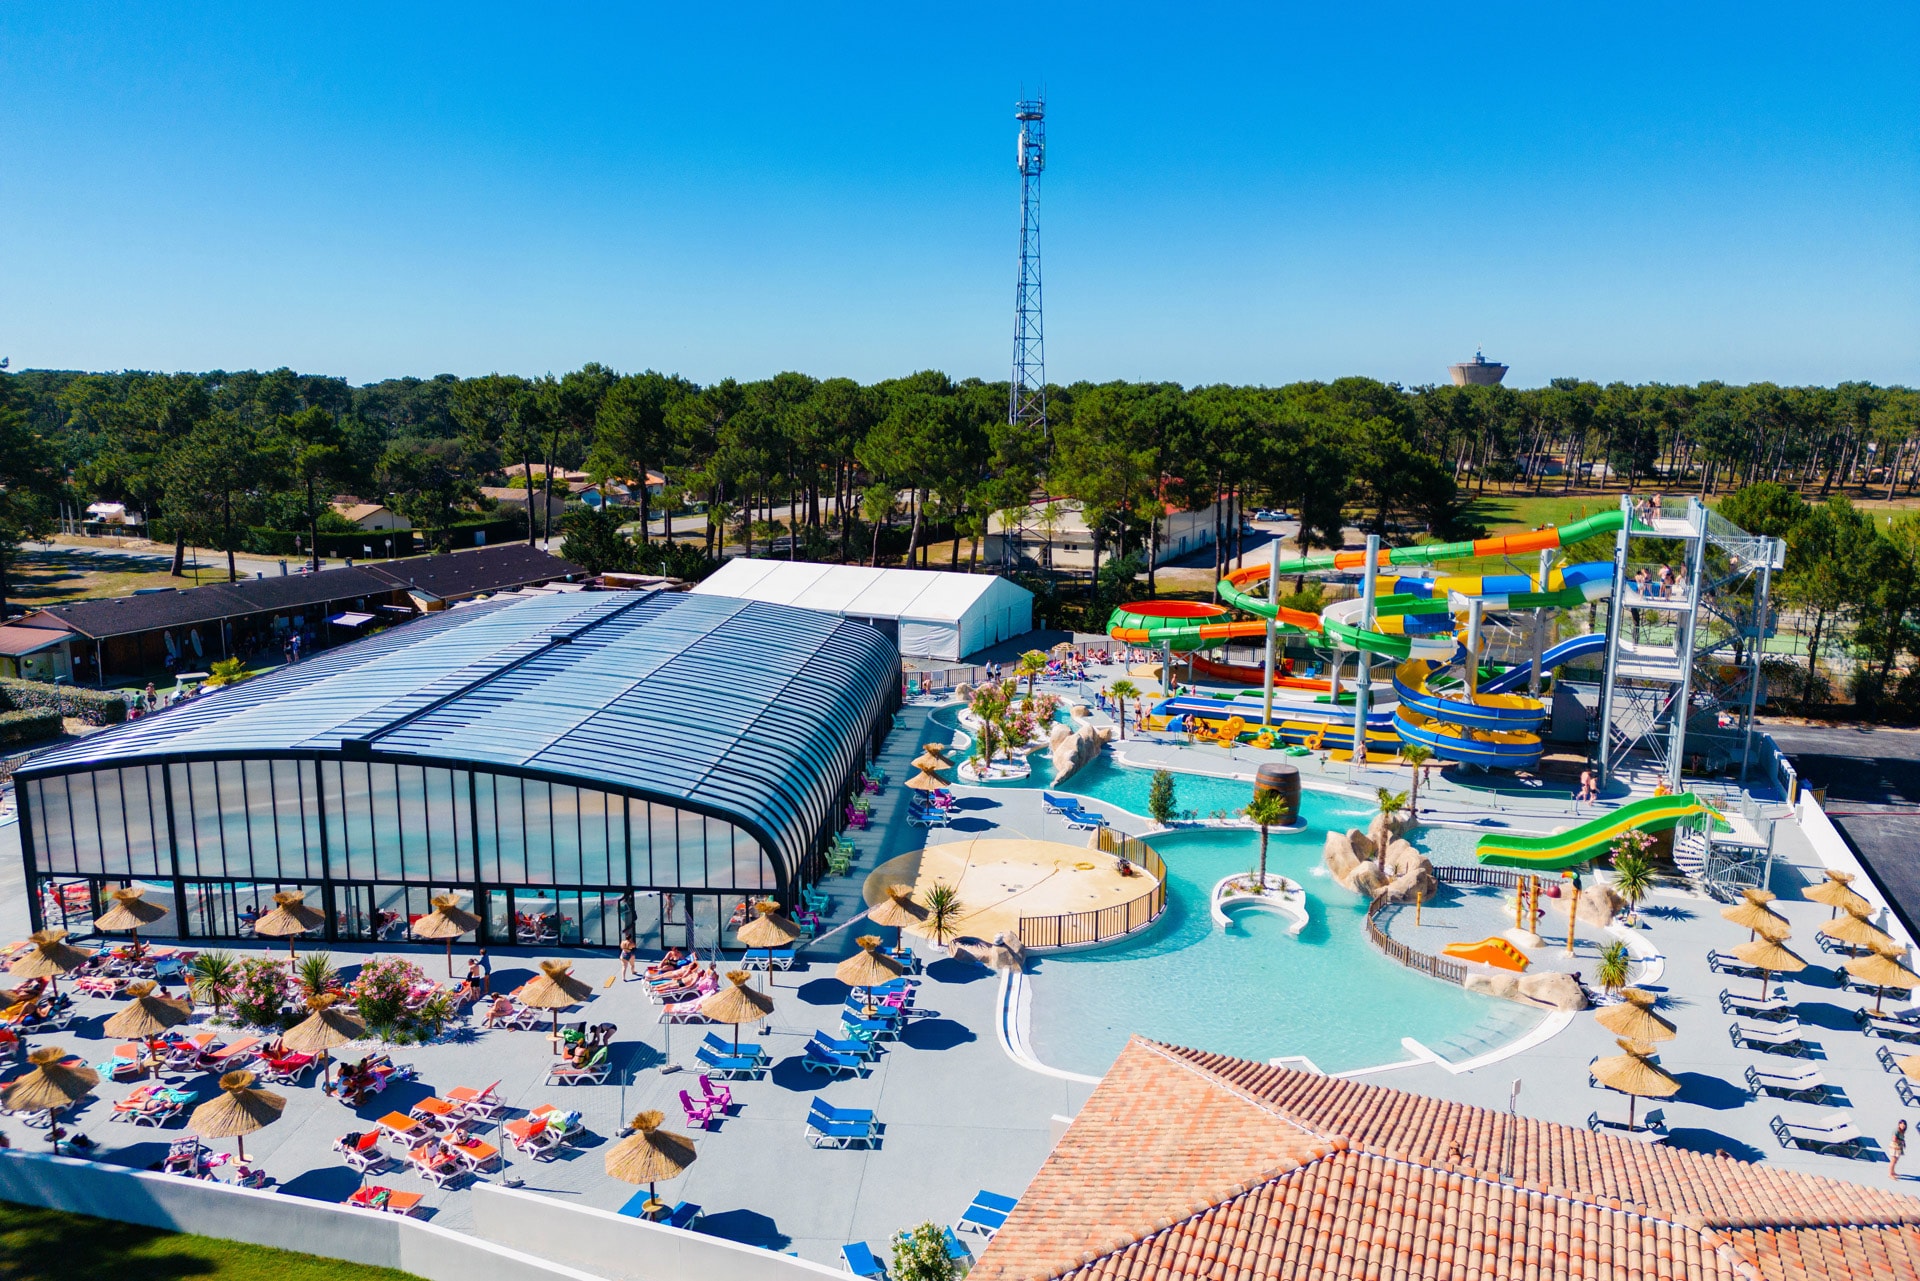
{"x":1587,"y":840}
{"x":1565,"y":652}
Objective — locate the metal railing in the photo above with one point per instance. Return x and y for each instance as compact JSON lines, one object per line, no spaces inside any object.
{"x":1103,"y":925}
{"x":916,"y":683}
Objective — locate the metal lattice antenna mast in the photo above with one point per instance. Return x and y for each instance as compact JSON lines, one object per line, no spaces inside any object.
{"x":1027,"y":398}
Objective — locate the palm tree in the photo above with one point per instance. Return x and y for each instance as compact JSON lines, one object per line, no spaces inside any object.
{"x":1266,"y":810}
{"x":314,"y":974}
{"x":212,"y":977}
{"x":1031,"y":665}
{"x":1391,"y":802}
{"x":1123,"y":690}
{"x":944,"y":910}
{"x":1416,"y":756}
{"x":1632,"y":878}
{"x":989,"y":703}
{"x":1615,"y":967}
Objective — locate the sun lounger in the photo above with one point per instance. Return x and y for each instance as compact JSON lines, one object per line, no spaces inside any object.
{"x":1755,"y":1007}
{"x":1649,"y":1126}
{"x":1782,"y":1038}
{"x":744,"y":1050}
{"x":362,"y":1151}
{"x":683,"y":1012}
{"x":862,"y":1262}
{"x":480,"y":1105}
{"x":868,"y":1029}
{"x":1892,"y":1029}
{"x":404,"y":1129}
{"x":854,"y":1046}
{"x":987,"y":1214}
{"x":228,"y":1057}
{"x":476,"y":1156}
{"x":288,"y":1069}
{"x":386,"y":1199}
{"x":1806,"y":1083}
{"x":684,"y":1214}
{"x":780,"y":958}
{"x":1727,"y":963}
{"x":1082,"y":821}
{"x":440,"y":1170}
{"x":1863,"y":988}
{"x":828,"y":1126}
{"x":818,"y":1058}
{"x":1835,"y":1135}
{"x":728,"y":1066}
{"x":594,"y":1071}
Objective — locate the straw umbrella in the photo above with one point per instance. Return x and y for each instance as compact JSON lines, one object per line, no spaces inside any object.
{"x":1753,"y":915}
{"x":555,"y":989}
{"x":448,"y":920}
{"x":1837,"y":893}
{"x":768,"y":930}
{"x":145,"y":1014}
{"x":648,"y":1155}
{"x":49,"y":958}
{"x":1883,"y":970}
{"x":290,"y":918}
{"x":51,"y":1085}
{"x":1634,"y":1075}
{"x":1857,"y":931}
{"x":1769,"y":958}
{"x":925,"y":782}
{"x":324,"y":1029}
{"x":736,"y":1004}
{"x":930,"y":763}
{"x":238,"y":1111}
{"x":898,"y":909}
{"x":1634,"y":1018}
{"x":1909,"y":1067}
{"x":869,"y":967}
{"x":129,"y":912}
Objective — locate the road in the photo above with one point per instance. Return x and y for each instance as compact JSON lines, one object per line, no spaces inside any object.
{"x":1872,"y":777}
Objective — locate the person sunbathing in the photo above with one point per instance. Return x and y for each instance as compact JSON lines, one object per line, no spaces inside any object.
{"x":499,"y":1012}
{"x":673,"y":960}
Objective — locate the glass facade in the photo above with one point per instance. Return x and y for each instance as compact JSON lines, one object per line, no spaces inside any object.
{"x":371,"y":841}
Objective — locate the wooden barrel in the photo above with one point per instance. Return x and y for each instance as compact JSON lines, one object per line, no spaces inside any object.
{"x":1284,"y":781}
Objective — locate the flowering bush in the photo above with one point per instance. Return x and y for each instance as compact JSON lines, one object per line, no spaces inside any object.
{"x":261,"y":992}
{"x":379,"y":995}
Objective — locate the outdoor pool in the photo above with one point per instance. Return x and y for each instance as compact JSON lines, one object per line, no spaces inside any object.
{"x":1251,"y":989}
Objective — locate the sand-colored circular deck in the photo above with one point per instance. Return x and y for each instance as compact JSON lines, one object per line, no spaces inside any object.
{"x":1001,"y":881}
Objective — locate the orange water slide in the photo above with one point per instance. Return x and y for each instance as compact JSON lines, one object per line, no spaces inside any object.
{"x":1489,"y":951}
{"x":1250,"y":675}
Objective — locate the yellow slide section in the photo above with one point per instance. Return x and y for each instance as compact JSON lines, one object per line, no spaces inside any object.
{"x":1489,"y":951}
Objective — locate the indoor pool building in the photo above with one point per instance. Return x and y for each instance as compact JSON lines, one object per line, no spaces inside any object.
{"x":579,"y":764}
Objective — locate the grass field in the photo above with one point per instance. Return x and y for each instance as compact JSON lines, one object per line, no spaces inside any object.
{"x":56,"y":576}
{"x":47,"y":1245}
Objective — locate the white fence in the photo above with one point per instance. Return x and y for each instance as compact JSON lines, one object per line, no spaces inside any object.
{"x":522,"y":1236}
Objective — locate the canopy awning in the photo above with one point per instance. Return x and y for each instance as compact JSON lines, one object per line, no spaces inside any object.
{"x":351,"y":619}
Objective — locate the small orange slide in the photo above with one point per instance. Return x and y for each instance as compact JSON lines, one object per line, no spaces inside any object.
{"x":1489,"y":951}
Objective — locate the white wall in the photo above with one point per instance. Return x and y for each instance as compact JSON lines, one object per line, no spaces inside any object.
{"x":1832,"y":850}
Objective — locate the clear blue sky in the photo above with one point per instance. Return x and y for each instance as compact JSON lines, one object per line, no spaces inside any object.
{"x":1235,"y":193}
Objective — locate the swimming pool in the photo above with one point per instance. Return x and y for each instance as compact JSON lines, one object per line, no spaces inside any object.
{"x":1250,"y":989}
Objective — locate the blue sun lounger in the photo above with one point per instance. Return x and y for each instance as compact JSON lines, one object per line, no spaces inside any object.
{"x":828,"y":1126}
{"x":744,"y":1050}
{"x":988,"y":1212}
{"x":861,"y":1261}
{"x":818,"y":1058}
{"x":729,"y":1066}
{"x":864,"y":1049}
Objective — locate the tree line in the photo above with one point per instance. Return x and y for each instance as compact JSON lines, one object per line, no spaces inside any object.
{"x":835,"y":469}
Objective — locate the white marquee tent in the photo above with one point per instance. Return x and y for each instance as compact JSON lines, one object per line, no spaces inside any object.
{"x":929,"y":613}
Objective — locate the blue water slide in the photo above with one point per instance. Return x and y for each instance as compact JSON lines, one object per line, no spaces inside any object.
{"x":1565,"y":652}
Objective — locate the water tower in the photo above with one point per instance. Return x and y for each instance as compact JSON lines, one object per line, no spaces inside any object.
{"x":1478,"y":372}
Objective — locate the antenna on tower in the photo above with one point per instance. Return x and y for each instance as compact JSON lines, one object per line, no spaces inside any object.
{"x":1027,"y":397}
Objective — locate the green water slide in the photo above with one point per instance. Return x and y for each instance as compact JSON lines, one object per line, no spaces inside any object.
{"x":1588,"y":840}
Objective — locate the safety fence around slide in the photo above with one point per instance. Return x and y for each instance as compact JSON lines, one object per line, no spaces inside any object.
{"x":1104,"y":925}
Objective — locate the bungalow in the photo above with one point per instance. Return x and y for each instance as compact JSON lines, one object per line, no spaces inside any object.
{"x":369,"y":516}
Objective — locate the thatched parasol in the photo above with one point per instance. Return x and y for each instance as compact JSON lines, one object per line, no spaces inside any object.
{"x":1856,"y":931}
{"x":1063,"y":650}
{"x":129,"y":912}
{"x":1633,"y":1075}
{"x":1837,"y":893}
{"x":1909,"y":1066}
{"x":898,"y":908}
{"x":1753,"y":915}
{"x":934,"y":749}
{"x":1769,"y":958}
{"x":930,"y":763}
{"x":648,"y":1155}
{"x":1634,"y":1018}
{"x":869,"y":967}
{"x":554,"y":989}
{"x":324,"y":1029}
{"x":145,"y":1014}
{"x":49,"y":958}
{"x":448,"y":920}
{"x":736,"y":1004}
{"x":925,"y":782}
{"x":1883,"y":970}
{"x":290,"y":918}
{"x":237,"y":1112}
{"x":768,"y":930}
{"x":51,"y":1086}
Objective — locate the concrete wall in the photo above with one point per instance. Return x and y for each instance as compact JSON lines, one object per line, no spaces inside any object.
{"x":212,"y":1209}
{"x":624,"y":1249}
{"x":1832,"y":850}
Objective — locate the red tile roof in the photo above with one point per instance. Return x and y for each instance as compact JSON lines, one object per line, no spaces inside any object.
{"x":1187,"y":1164}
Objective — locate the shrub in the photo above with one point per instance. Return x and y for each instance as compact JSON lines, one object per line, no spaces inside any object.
{"x":94,"y":706}
{"x":261,"y":992}
{"x":1160,"y":800}
{"x":213,"y":977}
{"x":228,"y":671}
{"x":379,"y":997}
{"x":921,"y":1255}
{"x":29,"y":726}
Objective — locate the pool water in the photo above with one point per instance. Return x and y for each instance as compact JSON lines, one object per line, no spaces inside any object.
{"x":1251,"y":989}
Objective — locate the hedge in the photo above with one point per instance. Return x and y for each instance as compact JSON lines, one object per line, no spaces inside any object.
{"x":94,"y":706}
{"x":30,"y":726}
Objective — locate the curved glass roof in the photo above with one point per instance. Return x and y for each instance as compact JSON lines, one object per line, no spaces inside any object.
{"x":752,"y":711}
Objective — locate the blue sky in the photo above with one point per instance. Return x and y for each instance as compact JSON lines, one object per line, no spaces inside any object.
{"x":1234,"y":193}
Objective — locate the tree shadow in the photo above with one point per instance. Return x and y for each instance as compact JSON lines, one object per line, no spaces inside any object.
{"x":1713,"y":1143}
{"x":748,"y":1227}
{"x":333,"y":1183}
{"x":1668,"y":912}
{"x":1707,"y":1091}
{"x":971,"y":825}
{"x":1825,"y":1014}
{"x":936,"y":1034}
{"x":822,"y":991}
{"x":950,"y":969}
{"x":972,"y":803}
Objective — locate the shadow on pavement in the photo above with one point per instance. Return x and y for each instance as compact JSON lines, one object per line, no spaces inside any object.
{"x":747,"y":1227}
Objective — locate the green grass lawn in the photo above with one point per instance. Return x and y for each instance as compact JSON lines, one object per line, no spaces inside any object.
{"x":47,"y":1245}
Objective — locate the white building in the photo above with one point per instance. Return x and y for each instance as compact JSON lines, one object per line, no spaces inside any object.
{"x":928,"y":613}
{"x":1056,"y":529}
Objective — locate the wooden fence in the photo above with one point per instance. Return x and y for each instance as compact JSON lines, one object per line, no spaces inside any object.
{"x":1439,"y":966}
{"x":1103,"y":925}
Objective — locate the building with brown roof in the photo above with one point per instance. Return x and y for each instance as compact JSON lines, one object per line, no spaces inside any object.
{"x":1189,"y":1164}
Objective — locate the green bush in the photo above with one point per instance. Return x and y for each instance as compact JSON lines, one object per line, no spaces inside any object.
{"x":29,"y":726}
{"x":94,"y":706}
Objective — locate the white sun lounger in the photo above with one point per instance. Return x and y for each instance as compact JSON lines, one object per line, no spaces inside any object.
{"x":1835,"y":1134}
{"x":1806,"y":1082}
{"x":1784,"y":1037}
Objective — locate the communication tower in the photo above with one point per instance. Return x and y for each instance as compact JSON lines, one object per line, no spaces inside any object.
{"x":1027,"y":397}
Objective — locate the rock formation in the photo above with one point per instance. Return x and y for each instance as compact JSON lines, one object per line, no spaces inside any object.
{"x":1494,"y":983}
{"x":1552,"y":988}
{"x":1416,"y":882}
{"x":1072,"y":750}
{"x":1340,"y":859}
{"x":1368,"y":880}
{"x":1598,"y":905}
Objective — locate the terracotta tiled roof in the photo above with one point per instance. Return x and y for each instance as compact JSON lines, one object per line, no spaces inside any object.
{"x":1187,"y":1164}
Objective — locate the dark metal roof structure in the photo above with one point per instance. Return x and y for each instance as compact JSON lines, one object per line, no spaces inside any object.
{"x":753,"y":712}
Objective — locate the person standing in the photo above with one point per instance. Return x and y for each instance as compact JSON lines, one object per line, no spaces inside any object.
{"x":626,"y":957}
{"x":1896,"y":1149}
{"x":486,"y":972}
